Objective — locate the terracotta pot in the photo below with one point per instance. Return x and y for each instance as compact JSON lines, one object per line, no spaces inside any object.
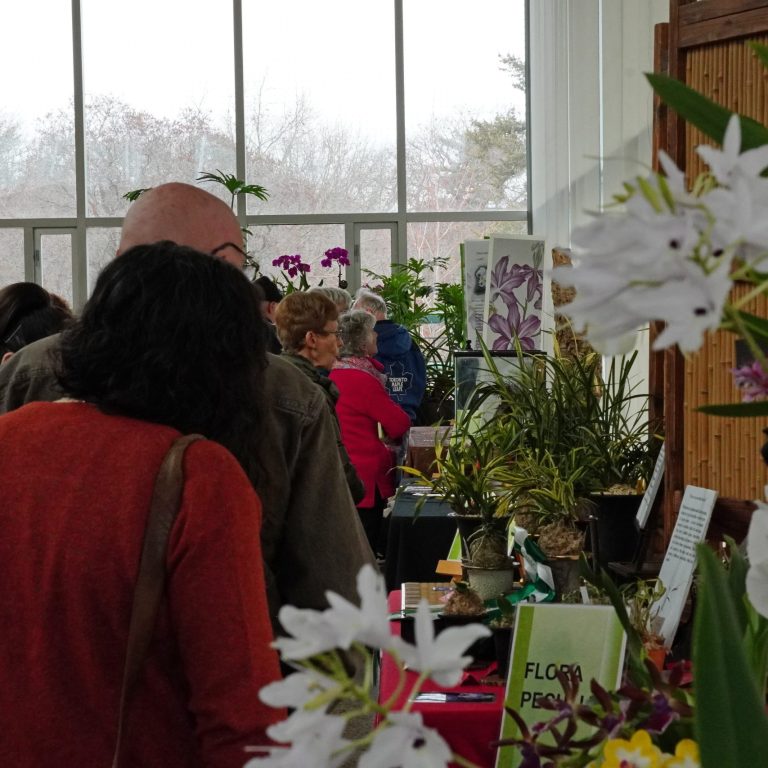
{"x":658,"y":656}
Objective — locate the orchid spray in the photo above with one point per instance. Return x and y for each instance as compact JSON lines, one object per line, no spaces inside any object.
{"x":313,"y":734}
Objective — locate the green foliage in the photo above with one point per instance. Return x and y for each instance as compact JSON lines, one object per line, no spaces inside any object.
{"x":561,"y":421}
{"x":234,"y":185}
{"x":135,"y":194}
{"x":466,"y":474}
{"x":710,"y":118}
{"x":731,"y":724}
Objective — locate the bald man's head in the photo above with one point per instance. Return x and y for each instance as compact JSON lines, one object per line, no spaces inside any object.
{"x":186,"y":215}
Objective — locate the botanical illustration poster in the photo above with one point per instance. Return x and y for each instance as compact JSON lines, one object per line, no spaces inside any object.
{"x":475,"y":266}
{"x":549,"y":638}
{"x":513,"y":298}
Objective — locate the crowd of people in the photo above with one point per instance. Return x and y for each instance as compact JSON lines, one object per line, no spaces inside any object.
{"x":281,"y":502}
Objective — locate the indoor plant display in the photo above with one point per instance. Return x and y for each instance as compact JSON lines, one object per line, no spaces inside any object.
{"x":466,"y":474}
{"x":570,"y":432}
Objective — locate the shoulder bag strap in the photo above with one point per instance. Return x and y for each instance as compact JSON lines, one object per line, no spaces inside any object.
{"x":150,"y":582}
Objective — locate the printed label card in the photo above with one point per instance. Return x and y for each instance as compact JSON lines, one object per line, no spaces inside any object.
{"x":549,"y":638}
{"x":680,"y":559}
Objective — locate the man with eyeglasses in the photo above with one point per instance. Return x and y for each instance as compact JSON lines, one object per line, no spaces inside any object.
{"x":311,"y":537}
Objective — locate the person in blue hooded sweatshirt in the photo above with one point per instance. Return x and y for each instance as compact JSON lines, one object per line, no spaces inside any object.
{"x":398,"y":353}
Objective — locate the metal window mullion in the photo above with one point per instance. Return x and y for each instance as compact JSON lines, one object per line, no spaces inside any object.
{"x":79,"y":256}
{"x":401,"y":252}
{"x":240,"y":169}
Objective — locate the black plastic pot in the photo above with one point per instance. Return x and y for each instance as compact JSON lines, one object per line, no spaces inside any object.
{"x":616,"y":532}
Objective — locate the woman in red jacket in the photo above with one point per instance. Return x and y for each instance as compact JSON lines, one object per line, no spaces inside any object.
{"x":362,"y":406}
{"x":169,"y":343}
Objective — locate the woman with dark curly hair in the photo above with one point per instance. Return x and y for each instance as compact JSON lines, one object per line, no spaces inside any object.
{"x":169,"y":343}
{"x":27,"y":313}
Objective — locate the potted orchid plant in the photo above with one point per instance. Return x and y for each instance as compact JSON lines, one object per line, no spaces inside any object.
{"x":292,"y":266}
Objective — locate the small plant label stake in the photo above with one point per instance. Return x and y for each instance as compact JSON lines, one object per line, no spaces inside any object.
{"x":650,"y":492}
{"x":680,"y":559}
{"x":551,"y":638}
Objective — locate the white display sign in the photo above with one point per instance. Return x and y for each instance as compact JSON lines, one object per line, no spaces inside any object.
{"x":680,"y":559}
{"x":475,"y":283}
{"x":650,"y":492}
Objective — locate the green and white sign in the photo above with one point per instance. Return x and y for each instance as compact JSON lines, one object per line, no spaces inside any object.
{"x":552,"y":637}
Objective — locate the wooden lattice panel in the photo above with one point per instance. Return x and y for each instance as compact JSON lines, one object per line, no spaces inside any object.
{"x":723,"y":453}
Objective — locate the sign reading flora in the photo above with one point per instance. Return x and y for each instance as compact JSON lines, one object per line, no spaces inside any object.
{"x":549,"y":638}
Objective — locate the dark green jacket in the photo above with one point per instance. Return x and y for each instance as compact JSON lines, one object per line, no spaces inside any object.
{"x":331,"y":392}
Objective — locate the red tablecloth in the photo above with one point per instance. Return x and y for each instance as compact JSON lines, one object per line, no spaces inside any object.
{"x":468,"y":728}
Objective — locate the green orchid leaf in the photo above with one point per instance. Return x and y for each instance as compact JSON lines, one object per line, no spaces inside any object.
{"x":757,"y":326}
{"x":135,"y":194}
{"x":760,"y":50}
{"x":737,"y":578}
{"x":700,"y":111}
{"x":730,"y":721}
{"x":736,"y":410}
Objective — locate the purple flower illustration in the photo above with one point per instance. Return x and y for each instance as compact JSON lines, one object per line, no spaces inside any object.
{"x":524,"y":329}
{"x":504,"y":281}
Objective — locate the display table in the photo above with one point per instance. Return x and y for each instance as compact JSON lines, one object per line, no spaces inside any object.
{"x":468,"y":728}
{"x":415,"y":545}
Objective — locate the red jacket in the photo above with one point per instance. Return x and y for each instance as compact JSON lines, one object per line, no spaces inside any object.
{"x":74,"y":495}
{"x":363,"y":404}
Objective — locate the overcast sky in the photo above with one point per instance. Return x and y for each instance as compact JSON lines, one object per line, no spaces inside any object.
{"x":164,"y":55}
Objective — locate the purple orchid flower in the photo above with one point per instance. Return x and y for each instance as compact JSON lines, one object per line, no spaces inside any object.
{"x":514,"y":327}
{"x":752,"y":380}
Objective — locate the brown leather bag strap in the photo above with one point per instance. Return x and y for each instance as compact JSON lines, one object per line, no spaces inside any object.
{"x":150,"y":581}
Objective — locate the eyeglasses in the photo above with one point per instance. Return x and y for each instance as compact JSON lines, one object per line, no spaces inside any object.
{"x":337,"y":334}
{"x":236,"y":247}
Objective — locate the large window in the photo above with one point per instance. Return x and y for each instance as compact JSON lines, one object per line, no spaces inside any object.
{"x":394,"y":128}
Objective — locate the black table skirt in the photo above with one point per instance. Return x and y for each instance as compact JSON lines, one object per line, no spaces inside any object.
{"x":414,"y":545}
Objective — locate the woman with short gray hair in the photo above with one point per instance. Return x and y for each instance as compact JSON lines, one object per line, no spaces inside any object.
{"x":363,"y":404}
{"x":358,"y":338}
{"x":339,"y":296}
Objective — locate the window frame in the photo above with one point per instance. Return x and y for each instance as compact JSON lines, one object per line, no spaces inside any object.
{"x":80,"y":223}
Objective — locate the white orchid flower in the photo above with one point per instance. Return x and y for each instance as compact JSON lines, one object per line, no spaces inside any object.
{"x":406,"y":743}
{"x":741,"y":212}
{"x":297,"y":689}
{"x":723,"y":163}
{"x":689,"y":307}
{"x":368,"y":624}
{"x":757,"y":553}
{"x":440,"y":657}
{"x":312,"y":632}
{"x":316,"y":740}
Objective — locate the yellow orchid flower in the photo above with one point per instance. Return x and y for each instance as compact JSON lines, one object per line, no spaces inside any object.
{"x":638,"y":752}
{"x":686,"y":755}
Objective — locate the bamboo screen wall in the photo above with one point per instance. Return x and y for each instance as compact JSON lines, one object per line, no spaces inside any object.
{"x":723,"y":453}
